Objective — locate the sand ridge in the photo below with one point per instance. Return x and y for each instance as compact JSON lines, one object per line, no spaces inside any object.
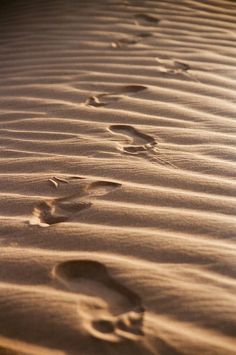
{"x":117,"y":177}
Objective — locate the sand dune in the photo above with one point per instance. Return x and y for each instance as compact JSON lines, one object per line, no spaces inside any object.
{"x":117,"y":167}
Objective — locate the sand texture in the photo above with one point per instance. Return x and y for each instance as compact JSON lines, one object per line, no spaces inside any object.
{"x":117,"y":177}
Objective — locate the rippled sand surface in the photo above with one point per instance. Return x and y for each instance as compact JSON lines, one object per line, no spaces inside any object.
{"x":117,"y":167}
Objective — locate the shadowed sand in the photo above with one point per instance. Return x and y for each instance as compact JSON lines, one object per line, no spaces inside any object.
{"x":117,"y":177}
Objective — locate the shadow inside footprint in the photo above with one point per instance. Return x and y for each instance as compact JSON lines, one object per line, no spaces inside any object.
{"x":104,"y":99}
{"x":61,"y":209}
{"x":144,"y":19}
{"x":100,"y":188}
{"x":122,"y":317}
{"x":145,"y":34}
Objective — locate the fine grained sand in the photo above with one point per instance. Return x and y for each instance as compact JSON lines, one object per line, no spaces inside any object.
{"x":117,"y":166}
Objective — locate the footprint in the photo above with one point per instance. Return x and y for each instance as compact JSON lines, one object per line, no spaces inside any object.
{"x":181,"y":66}
{"x":101,"y":100}
{"x":172,"y":66}
{"x":106,"y":98}
{"x":56,"y":211}
{"x":145,"y":34}
{"x":124,"y":42}
{"x":113,"y":312}
{"x":61,"y":209}
{"x":175,"y":67}
{"x":142,"y":144}
{"x":144,"y":19}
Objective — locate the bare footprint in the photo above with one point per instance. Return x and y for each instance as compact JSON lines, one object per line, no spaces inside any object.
{"x":124,"y":42}
{"x":115,"y":312}
{"x":142,"y":144}
{"x":106,"y":98}
{"x":175,"y":67}
{"x":145,"y":19}
{"x":61,"y":209}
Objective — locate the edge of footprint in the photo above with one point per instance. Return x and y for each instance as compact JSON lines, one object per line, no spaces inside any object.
{"x":57,"y":210}
{"x":127,"y":325}
{"x":85,"y":268}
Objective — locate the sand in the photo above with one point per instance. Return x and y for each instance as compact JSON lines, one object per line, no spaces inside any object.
{"x":117,"y":166}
